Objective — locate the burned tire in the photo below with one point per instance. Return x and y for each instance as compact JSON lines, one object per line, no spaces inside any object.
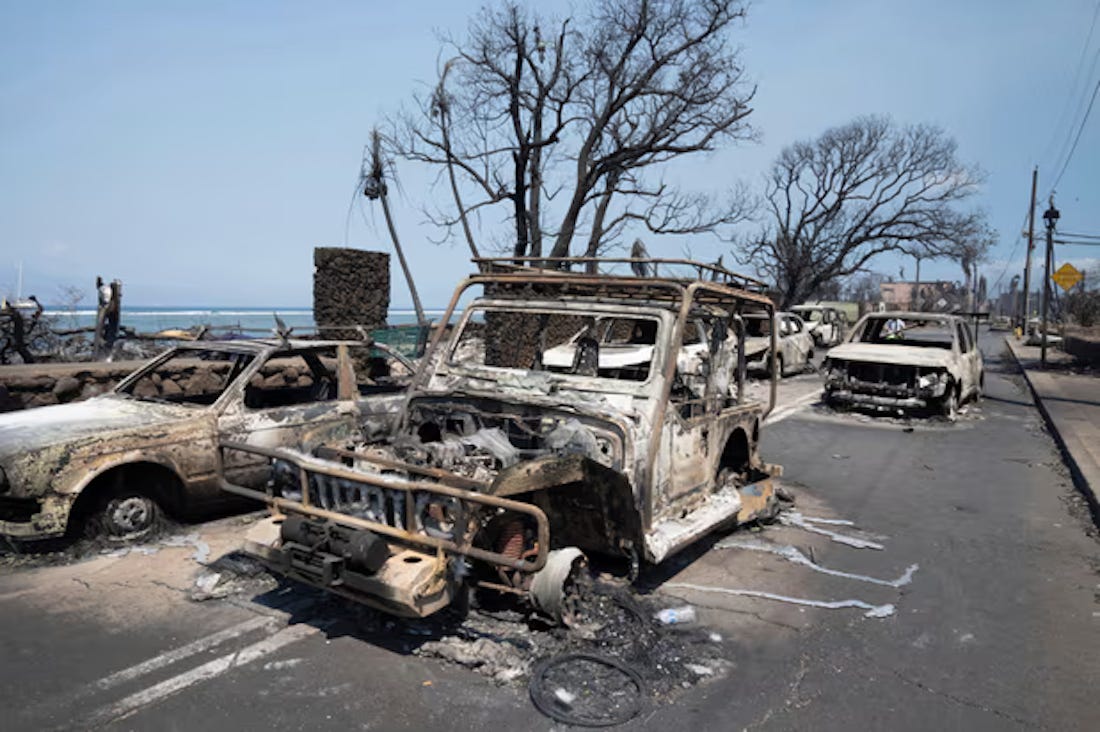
{"x":554,"y":588}
{"x":949,"y":404}
{"x":127,"y":515}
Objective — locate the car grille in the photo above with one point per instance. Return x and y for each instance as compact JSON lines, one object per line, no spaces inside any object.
{"x":881,"y":373}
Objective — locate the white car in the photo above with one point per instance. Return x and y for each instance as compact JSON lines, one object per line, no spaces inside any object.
{"x":826,"y":324}
{"x":906,"y":361}
{"x":796,"y":345}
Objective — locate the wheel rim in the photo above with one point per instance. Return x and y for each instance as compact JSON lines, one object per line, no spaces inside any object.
{"x":129,"y":515}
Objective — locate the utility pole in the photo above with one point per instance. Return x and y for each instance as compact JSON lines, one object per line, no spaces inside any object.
{"x":1030,"y":246}
{"x":1050,"y":216}
{"x":916,"y":287}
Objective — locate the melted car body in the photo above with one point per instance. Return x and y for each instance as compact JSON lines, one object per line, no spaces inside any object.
{"x":903,"y":360}
{"x":150,"y":445}
{"x":562,"y":413}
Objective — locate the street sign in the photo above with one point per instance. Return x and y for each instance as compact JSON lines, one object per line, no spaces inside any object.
{"x":1067,"y":276}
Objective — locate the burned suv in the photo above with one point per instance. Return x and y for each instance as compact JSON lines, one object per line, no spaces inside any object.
{"x":906,"y":361}
{"x":563,"y":413}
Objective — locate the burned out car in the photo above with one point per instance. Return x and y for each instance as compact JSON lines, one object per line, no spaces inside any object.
{"x":117,"y":461}
{"x":899,"y":360}
{"x":563,"y":413}
{"x":826,"y":324}
{"x":793,"y":347}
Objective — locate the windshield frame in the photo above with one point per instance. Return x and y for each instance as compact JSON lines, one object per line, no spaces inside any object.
{"x":257,"y":355}
{"x":561,"y":381}
{"x":878,"y":321}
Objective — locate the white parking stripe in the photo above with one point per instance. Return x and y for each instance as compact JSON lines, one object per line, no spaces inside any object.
{"x":786,"y":411}
{"x":178,"y":654}
{"x":197,"y":675}
{"x":66,"y":701}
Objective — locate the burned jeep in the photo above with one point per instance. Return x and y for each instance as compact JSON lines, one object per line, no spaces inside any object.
{"x":563,"y":413}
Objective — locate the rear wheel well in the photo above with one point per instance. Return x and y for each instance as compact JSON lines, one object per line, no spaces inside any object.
{"x":149,"y":479}
{"x":737,"y":454}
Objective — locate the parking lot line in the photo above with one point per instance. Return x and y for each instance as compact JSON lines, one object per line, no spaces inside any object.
{"x":199,"y":674}
{"x":169,"y":657}
{"x":783,"y":412}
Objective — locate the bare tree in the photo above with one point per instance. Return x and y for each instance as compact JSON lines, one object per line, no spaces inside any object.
{"x":857,"y":191}
{"x":564,"y":124}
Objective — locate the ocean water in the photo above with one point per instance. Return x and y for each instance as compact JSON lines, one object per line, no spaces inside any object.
{"x":256,"y":320}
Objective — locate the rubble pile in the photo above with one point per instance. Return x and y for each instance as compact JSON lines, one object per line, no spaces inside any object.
{"x":615,"y":624}
{"x":350,"y":287}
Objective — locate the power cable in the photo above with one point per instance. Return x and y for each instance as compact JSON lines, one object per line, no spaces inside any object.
{"x":1077,"y":138}
{"x":1062,"y":119}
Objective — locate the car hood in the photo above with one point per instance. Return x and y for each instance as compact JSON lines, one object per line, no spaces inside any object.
{"x":41,"y":427}
{"x":758,"y":344}
{"x":903,"y":355}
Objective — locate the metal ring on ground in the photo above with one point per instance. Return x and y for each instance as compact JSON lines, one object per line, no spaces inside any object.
{"x":545,"y":703}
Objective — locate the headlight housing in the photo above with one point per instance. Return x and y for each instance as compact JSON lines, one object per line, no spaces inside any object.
{"x":927,"y":381}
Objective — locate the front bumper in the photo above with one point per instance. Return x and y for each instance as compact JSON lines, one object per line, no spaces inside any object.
{"x":28,"y":519}
{"x":892,"y":396}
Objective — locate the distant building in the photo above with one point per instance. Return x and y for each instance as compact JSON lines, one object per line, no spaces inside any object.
{"x":936,"y":296}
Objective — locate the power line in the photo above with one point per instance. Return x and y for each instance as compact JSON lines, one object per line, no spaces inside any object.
{"x":1077,"y":138}
{"x":1068,"y":106}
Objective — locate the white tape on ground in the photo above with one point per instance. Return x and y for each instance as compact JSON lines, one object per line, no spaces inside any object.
{"x":873,"y":611}
{"x":197,"y":675}
{"x":794,"y":555}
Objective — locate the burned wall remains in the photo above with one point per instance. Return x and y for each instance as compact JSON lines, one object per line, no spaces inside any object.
{"x":351,"y":287}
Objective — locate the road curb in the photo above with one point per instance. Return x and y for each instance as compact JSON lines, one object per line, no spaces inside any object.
{"x":1075,"y":470}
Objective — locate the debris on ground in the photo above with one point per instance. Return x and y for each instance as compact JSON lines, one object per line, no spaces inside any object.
{"x":684,"y":615}
{"x":499,"y":660}
{"x":587,"y":690}
{"x":232,"y":574}
{"x":613,"y":623}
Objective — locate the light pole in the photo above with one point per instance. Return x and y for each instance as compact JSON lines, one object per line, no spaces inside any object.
{"x":1050,"y":216}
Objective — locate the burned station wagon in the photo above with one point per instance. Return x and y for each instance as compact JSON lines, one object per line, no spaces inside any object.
{"x":901,"y":360}
{"x":117,"y":461}
{"x":563,"y":413}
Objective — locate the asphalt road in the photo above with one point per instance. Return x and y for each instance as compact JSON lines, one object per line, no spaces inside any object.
{"x":998,"y":628}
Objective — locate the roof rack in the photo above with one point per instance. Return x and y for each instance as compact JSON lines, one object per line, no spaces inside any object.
{"x":621,"y":268}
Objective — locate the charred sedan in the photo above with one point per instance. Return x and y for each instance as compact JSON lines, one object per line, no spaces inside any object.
{"x":114,"y":463}
{"x":906,"y":361}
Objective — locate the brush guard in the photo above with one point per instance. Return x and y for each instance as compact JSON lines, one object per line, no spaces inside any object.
{"x":429,"y":525}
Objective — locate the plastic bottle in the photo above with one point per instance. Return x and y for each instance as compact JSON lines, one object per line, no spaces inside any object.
{"x":684,"y":615}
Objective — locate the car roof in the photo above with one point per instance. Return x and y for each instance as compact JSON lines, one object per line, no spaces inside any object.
{"x":914,"y":316}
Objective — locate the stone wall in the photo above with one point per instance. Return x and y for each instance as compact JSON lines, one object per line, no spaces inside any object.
{"x":24,"y":387}
{"x":350,"y":287}
{"x":1085,"y":347}
{"x":37,"y":385}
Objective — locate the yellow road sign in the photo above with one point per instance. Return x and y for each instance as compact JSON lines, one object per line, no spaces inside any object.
{"x":1067,"y":276}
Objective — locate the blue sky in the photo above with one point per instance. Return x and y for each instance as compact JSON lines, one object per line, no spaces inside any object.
{"x":200,"y":150}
